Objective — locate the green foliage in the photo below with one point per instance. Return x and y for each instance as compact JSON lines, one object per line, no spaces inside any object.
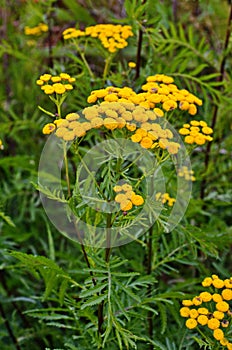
{"x":54,"y":293}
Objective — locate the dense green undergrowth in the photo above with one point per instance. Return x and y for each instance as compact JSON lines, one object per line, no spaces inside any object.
{"x":57,"y":293}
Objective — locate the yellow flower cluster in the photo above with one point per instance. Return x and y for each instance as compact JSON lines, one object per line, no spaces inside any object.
{"x":197,"y":132}
{"x":112,"y":37}
{"x":159,"y":94}
{"x":216,"y":316}
{"x":151,"y":135}
{"x":1,"y":145}
{"x":58,"y":84}
{"x":126,"y":197}
{"x":186,"y":173}
{"x":38,"y":30}
{"x":165,"y":198}
{"x":114,"y":115}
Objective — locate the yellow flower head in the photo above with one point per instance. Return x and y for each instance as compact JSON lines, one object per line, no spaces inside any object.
{"x":48,"y":128}
{"x":1,"y":145}
{"x":191,"y":323}
{"x":132,"y":64}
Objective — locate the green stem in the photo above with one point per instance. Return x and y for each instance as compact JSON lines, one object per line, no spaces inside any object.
{"x":107,"y":259}
{"x":81,"y":53}
{"x":107,"y":66}
{"x":66,"y":169}
{"x":149,"y":288}
{"x":86,"y":64}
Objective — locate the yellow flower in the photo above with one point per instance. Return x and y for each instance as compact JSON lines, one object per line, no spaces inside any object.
{"x":217,"y":297}
{"x":184,"y":311}
{"x":68,"y":87}
{"x":195,"y":123}
{"x":202,"y":319}
{"x":207,"y":282}
{"x":191,"y":323}
{"x":203,"y":311}
{"x":193,"y":313}
{"x":65,"y":76}
{"x":173,"y":147}
{"x":197,"y":301}
{"x":137,"y":199}
{"x":146,"y":142}
{"x":224,"y":342}
{"x":55,"y":79}
{"x":39,"y":82}
{"x":72,"y":116}
{"x":207,"y":130}
{"x":79,"y":131}
{"x":169,"y":105}
{"x":45,"y":77}
{"x":74,"y":124}
{"x":184,"y":105}
{"x":59,"y":88}
{"x":222,"y":306}
{"x":63,"y":123}
{"x":126,"y":205}
{"x":69,"y":136}
{"x":213,"y":323}
{"x":1,"y":145}
{"x":228,"y":283}
{"x":199,"y":140}
{"x":192,"y":109}
{"x":158,"y":112}
{"x":227,"y":294}
{"x":48,"y":128}
{"x":48,"y":89}
{"x":58,"y":122}
{"x":205,"y":296}
{"x":97,"y":122}
{"x":110,"y":123}
{"x":218,"y":315}
{"x":131,"y":127}
{"x":120,"y":198}
{"x":184,"y":131}
{"x":132,"y":64}
{"x":218,"y":283}
{"x":92,"y":98}
{"x":126,"y":187}
{"x":218,"y":334}
{"x":189,"y":139}
{"x":117,"y":188}
{"x":61,"y":131}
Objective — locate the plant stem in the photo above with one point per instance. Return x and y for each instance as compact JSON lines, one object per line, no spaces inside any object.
{"x":66,"y":169}
{"x":215,"y":114}
{"x":139,"y":49}
{"x":85,"y":254}
{"x":107,"y":259}
{"x":107,"y":66}
{"x":86,"y":64}
{"x":9,"y":329}
{"x":149,"y":288}
{"x":81,"y":53}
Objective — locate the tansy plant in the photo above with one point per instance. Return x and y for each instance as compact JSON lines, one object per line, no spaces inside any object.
{"x":210,"y":312}
{"x":108,"y":38}
{"x":116,"y":189}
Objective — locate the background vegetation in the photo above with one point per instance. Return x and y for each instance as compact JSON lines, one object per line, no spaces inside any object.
{"x":42,"y":273}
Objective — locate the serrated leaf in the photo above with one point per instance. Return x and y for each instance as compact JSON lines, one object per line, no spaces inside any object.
{"x":94,"y":301}
{"x":7,"y":219}
{"x":92,"y":291}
